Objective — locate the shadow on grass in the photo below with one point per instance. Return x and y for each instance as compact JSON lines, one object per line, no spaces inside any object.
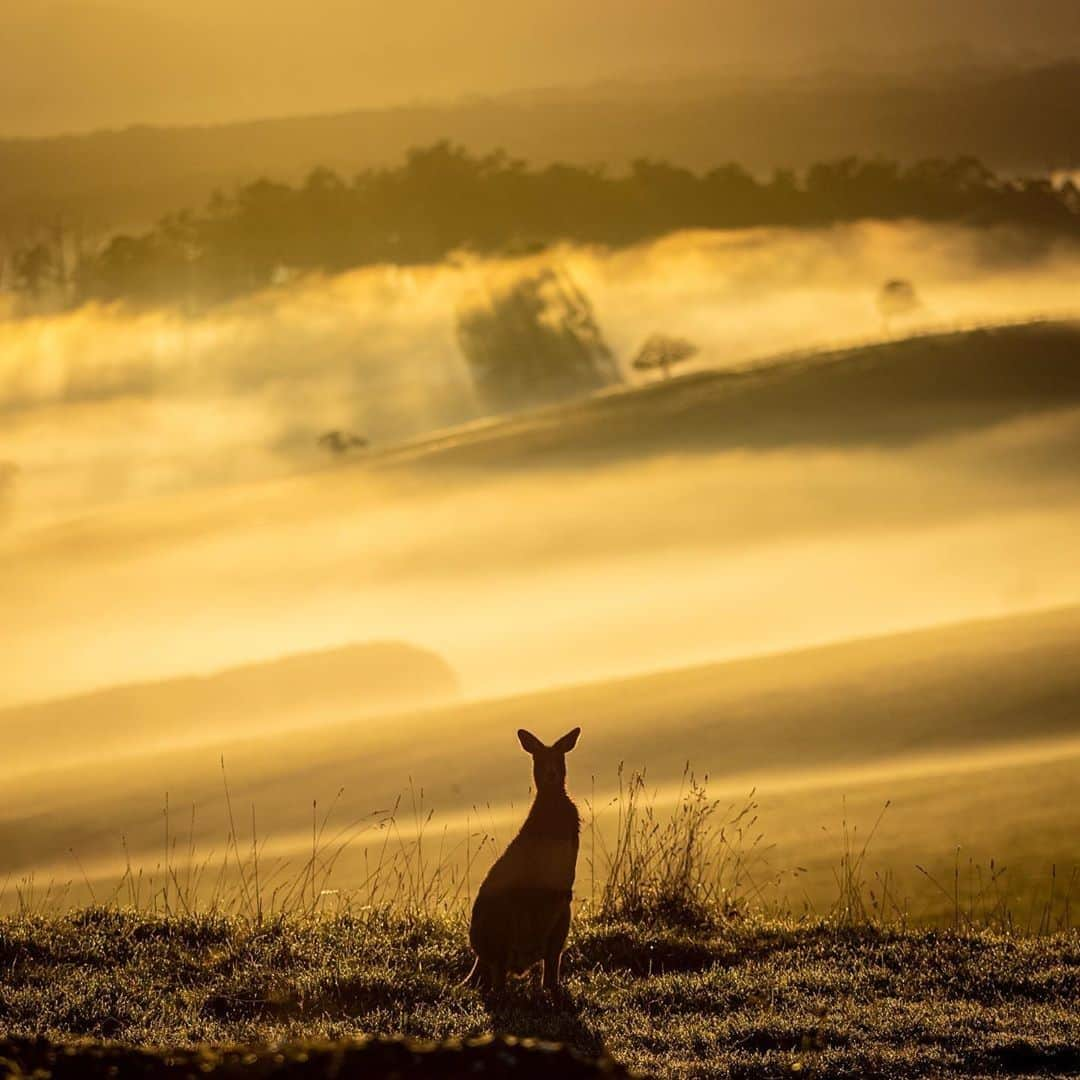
{"x":530,"y":1013}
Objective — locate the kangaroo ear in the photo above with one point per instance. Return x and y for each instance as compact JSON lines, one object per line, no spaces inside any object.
{"x":529,"y":742}
{"x":568,"y":741}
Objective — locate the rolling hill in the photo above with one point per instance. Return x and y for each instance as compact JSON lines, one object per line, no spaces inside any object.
{"x":1016,"y":120}
{"x":886,"y":395}
{"x":972,"y":730}
{"x":353,"y":681}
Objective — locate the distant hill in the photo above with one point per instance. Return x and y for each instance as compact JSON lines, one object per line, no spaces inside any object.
{"x":354,"y":681}
{"x":887,"y":394}
{"x":829,"y":721}
{"x":1022,"y":120}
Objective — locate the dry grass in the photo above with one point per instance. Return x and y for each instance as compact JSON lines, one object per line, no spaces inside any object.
{"x":753,"y":998}
{"x":678,"y":961}
{"x":700,"y":863}
{"x":680,"y":859}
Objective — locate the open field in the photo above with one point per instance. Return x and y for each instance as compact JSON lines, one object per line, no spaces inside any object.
{"x":748,"y":999}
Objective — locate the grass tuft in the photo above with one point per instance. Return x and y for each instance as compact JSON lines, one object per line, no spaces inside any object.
{"x":694,"y":867}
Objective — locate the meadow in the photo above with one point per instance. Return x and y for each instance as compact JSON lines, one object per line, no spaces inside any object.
{"x":670,"y":970}
{"x":718,"y":931}
{"x":817,"y":618}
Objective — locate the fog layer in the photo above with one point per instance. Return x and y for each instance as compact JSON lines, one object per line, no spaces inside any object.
{"x":169,"y":511}
{"x":103,"y":405}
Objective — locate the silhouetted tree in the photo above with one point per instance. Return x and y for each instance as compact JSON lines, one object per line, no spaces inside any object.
{"x":661,"y":353}
{"x":897,"y":297}
{"x":32,"y":267}
{"x":340,"y":442}
{"x":536,"y":341}
{"x":443,"y":199}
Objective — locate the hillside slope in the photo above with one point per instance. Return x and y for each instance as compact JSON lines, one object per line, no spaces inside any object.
{"x":352,"y":681}
{"x":973,"y":730}
{"x":883,"y":395}
{"x":1015,"y":120}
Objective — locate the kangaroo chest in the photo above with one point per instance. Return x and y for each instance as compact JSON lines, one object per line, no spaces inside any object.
{"x":542,"y":856}
{"x":549,"y":863}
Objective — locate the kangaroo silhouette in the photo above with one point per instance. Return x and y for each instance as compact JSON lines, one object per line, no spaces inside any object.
{"x":522,"y":911}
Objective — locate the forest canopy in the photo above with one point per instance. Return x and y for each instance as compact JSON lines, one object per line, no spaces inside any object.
{"x":443,"y":199}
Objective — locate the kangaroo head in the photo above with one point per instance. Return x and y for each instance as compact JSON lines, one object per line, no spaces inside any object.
{"x":549,"y":762}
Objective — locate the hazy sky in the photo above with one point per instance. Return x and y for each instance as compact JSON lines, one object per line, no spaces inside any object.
{"x":72,"y":65}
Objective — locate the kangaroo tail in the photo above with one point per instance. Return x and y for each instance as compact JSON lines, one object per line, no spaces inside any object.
{"x":474,"y":978}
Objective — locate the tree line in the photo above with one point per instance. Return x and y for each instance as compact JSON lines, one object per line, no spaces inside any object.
{"x":443,"y":199}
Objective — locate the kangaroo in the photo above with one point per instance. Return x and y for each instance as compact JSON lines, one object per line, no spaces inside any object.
{"x":522,"y":911}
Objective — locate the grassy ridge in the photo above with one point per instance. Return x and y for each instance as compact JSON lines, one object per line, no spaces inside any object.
{"x":744,"y":997}
{"x":347,"y":682}
{"x":890,"y":394}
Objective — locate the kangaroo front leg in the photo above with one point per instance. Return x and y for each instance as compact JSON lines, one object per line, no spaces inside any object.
{"x":553,"y":949}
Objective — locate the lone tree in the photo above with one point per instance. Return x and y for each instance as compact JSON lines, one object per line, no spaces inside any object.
{"x":662,"y":353}
{"x":33,"y":267}
{"x":536,"y":341}
{"x":896,"y":299}
{"x":339,"y":442}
